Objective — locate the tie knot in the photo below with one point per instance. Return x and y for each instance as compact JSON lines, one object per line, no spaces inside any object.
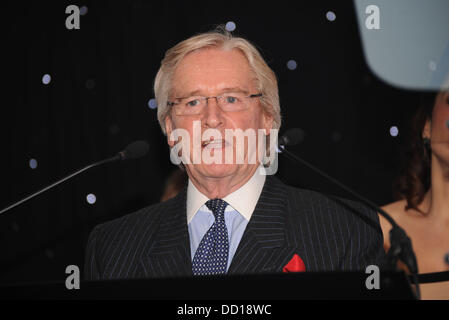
{"x":217,"y":206}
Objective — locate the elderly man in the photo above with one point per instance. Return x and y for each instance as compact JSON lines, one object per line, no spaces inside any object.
{"x":231,"y":218}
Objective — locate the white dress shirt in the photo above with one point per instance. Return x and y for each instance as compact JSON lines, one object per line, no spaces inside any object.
{"x":241,"y":205}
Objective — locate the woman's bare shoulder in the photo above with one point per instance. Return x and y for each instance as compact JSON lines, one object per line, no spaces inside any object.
{"x":395,"y":209}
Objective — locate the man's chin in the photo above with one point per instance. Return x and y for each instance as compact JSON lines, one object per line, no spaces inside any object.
{"x":216,"y":170}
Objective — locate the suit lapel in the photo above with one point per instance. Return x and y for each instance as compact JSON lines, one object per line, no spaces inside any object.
{"x":169,"y":254}
{"x":266,"y":245}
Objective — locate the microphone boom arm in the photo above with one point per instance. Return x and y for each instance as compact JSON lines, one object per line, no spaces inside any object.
{"x":95,"y":164}
{"x":401,"y":246}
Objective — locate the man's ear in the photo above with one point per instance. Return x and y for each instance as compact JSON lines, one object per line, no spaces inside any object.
{"x":427,"y":129}
{"x":168,"y":130}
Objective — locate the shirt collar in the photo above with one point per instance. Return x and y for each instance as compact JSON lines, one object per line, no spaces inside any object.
{"x":243,"y":200}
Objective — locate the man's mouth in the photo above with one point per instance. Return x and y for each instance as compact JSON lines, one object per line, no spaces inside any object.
{"x":214,"y":144}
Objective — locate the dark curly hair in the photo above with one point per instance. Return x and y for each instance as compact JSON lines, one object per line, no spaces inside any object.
{"x":414,"y":179}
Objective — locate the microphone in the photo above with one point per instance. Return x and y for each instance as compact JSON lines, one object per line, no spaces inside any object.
{"x":291,"y":137}
{"x":401,"y":245}
{"x":134,"y":150}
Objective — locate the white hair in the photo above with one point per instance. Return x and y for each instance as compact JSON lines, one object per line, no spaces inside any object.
{"x":266,"y":81}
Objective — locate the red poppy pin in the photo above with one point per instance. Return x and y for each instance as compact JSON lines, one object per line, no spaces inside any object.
{"x":295,"y":265}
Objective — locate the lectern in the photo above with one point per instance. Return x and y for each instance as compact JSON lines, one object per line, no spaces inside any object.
{"x":291,"y":286}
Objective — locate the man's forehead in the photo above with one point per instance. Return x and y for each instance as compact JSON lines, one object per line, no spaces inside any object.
{"x":211,"y":62}
{"x":213,"y":70}
{"x":214,"y":53}
{"x":202,"y":90}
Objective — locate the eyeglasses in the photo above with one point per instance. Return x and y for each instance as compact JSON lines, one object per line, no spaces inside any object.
{"x":229,"y":102}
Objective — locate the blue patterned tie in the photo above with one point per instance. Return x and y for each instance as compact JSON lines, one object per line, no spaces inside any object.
{"x":211,"y":257}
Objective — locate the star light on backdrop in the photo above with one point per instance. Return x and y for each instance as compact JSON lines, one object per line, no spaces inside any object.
{"x":152,"y":103}
{"x":291,"y":64}
{"x":91,"y":198}
{"x":331,"y":16}
{"x":394,"y":131}
{"x":46,"y":79}
{"x":33,"y":163}
{"x":230,"y":26}
{"x":83,"y":10}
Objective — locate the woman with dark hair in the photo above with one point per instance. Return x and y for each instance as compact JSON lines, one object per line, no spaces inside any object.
{"x":422,"y":190}
{"x":174,"y":184}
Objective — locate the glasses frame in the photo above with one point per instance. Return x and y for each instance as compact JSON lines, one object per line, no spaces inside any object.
{"x":172,"y":104}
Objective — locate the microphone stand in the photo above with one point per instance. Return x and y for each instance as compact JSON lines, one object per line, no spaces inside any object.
{"x":401,"y":245}
{"x":134,"y":150}
{"x":95,"y":164}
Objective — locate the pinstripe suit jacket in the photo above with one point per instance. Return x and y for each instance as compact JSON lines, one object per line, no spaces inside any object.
{"x":329,"y":234}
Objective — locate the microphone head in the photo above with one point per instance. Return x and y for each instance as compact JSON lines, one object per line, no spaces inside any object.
{"x":291,"y":137}
{"x":135,"y":150}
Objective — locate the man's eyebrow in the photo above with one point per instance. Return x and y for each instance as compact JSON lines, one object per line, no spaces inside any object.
{"x":234,"y":89}
{"x":224,"y":90}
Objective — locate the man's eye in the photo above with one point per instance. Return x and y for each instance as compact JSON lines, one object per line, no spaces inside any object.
{"x":193,"y":103}
{"x":230,"y":99}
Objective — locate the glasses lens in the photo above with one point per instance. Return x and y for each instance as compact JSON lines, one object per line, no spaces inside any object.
{"x":232,"y":101}
{"x":190,"y":106}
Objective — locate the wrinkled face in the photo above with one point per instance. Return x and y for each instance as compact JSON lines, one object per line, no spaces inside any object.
{"x":438,"y":128}
{"x":214,"y":72}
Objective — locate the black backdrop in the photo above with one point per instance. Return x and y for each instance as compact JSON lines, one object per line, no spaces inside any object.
{"x":97,"y":102}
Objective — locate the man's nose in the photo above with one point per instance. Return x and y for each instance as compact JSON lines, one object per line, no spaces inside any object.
{"x":213,"y":115}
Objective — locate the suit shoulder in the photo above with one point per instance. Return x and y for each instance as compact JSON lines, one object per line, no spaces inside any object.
{"x":137,"y":217}
{"x":135,"y":222}
{"x":316,"y":203}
